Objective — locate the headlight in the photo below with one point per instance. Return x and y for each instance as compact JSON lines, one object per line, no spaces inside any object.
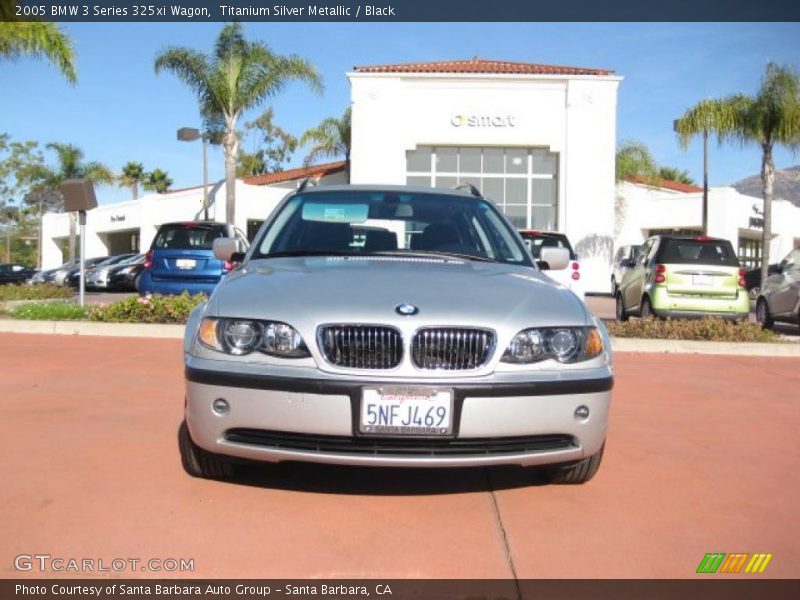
{"x":564,"y":344}
{"x":240,"y":337}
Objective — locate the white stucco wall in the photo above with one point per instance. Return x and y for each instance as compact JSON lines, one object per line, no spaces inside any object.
{"x":729,"y":214}
{"x":574,"y":116}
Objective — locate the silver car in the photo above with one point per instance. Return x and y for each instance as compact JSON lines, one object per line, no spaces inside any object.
{"x":779,"y":298}
{"x":394,"y":326}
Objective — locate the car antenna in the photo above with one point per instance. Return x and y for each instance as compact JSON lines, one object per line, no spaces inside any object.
{"x":471,"y":188}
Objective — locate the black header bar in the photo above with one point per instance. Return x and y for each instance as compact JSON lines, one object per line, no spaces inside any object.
{"x":399,"y":10}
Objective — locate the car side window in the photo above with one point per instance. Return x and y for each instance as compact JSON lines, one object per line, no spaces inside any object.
{"x":792,"y":261}
{"x":642,"y":253}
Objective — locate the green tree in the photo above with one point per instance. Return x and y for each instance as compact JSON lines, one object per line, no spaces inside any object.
{"x":19,"y":163}
{"x":273,"y":147}
{"x":770,"y":117}
{"x":132,"y":177}
{"x":70,"y":164}
{"x":157,"y":181}
{"x":330,"y":139}
{"x":633,"y":160}
{"x":38,"y":40}
{"x":675,"y":174}
{"x":236,"y":76}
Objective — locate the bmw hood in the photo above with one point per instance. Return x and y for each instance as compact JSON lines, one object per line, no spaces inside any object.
{"x":310,"y":291}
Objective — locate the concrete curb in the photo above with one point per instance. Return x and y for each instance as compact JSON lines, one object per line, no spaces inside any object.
{"x":152,"y":330}
{"x":618,"y":344}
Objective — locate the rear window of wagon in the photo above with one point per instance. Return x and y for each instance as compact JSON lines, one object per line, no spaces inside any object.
{"x":700,"y":252}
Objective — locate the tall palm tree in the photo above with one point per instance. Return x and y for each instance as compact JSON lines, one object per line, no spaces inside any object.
{"x":238,"y":75}
{"x":70,"y":165}
{"x":157,"y":181}
{"x":331,"y":138}
{"x":39,"y":40}
{"x":132,"y":177}
{"x":770,"y":117}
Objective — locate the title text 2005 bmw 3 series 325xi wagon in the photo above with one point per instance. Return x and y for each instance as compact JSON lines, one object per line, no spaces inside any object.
{"x":394,"y":327}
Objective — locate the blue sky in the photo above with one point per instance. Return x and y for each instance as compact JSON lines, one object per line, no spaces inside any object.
{"x":120,"y":110}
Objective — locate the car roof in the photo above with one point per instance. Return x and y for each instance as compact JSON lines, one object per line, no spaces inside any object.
{"x":408,"y":189}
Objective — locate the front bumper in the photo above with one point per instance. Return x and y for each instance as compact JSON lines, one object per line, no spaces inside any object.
{"x":274,"y":419}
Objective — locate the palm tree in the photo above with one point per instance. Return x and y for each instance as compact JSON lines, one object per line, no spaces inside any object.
{"x":236,"y":76}
{"x":132,"y":177}
{"x":633,"y":160}
{"x":770,"y":117}
{"x":38,"y":40}
{"x":70,"y":165}
{"x":675,"y":174}
{"x":157,"y":181}
{"x":331,"y":138}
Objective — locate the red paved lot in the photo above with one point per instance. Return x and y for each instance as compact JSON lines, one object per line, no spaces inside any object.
{"x":702,"y":456}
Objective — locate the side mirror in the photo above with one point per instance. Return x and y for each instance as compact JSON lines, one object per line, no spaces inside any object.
{"x":629,"y":263}
{"x":225,"y":248}
{"x":556,"y":258}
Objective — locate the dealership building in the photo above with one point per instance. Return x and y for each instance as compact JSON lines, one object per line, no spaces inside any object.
{"x":539,"y":140}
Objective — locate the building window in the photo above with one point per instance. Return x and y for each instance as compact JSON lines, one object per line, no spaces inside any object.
{"x":522,"y":182}
{"x":749,"y":252}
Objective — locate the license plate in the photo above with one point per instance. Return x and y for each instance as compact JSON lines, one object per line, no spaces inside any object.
{"x":186,"y":263}
{"x":418,"y":411}
{"x":702,"y":280}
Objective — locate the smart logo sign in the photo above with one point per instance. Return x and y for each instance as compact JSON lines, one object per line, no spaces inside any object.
{"x":484,"y":120}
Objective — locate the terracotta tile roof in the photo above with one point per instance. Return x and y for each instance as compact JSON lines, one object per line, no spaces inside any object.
{"x":313,"y":171}
{"x":675,"y":186}
{"x":481,"y":65}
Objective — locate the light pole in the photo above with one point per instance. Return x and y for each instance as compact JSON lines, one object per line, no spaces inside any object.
{"x":705,"y":174}
{"x":79,"y":197}
{"x":190,"y":134}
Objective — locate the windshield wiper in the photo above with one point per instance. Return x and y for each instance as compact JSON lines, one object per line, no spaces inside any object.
{"x":431,"y":253}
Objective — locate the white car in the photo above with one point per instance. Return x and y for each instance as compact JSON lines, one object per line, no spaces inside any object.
{"x":570,"y":277}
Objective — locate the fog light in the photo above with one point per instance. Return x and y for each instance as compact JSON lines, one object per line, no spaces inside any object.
{"x":582,"y":413}
{"x":220,"y":406}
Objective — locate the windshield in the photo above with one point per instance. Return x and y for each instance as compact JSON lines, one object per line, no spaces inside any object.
{"x":187,"y":236}
{"x":704,"y":252}
{"x":380,"y":223}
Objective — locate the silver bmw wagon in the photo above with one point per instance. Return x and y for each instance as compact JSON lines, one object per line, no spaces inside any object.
{"x":394,"y":327}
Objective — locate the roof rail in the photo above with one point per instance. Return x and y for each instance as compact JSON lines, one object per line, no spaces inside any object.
{"x":471,"y":188}
{"x":305,"y":183}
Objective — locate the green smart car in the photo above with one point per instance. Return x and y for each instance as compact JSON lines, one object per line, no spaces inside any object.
{"x":680,"y":276}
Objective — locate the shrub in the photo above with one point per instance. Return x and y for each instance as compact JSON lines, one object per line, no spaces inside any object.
{"x":708,"y":329}
{"x":38,"y":291}
{"x":49,"y":311}
{"x":148,"y":309}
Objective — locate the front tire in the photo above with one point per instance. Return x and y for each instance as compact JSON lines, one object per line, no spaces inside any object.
{"x":621,"y":314}
{"x":762,"y":314}
{"x":576,"y":473}
{"x":198,"y":462}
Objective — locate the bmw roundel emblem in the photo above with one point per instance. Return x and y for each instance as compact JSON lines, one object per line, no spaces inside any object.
{"x":406,"y":309}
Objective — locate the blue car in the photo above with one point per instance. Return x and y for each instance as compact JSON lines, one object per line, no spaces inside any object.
{"x":181,"y":258}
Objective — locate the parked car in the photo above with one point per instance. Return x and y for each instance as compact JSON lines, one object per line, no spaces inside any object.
{"x":623,"y":257}
{"x":779,"y":300}
{"x":13,"y":273}
{"x":752,"y":279}
{"x":124,"y":277}
{"x":48,"y":275}
{"x":535,"y":240}
{"x":681,"y":276}
{"x":181,"y":259}
{"x":433,"y":342}
{"x":73,"y":275}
